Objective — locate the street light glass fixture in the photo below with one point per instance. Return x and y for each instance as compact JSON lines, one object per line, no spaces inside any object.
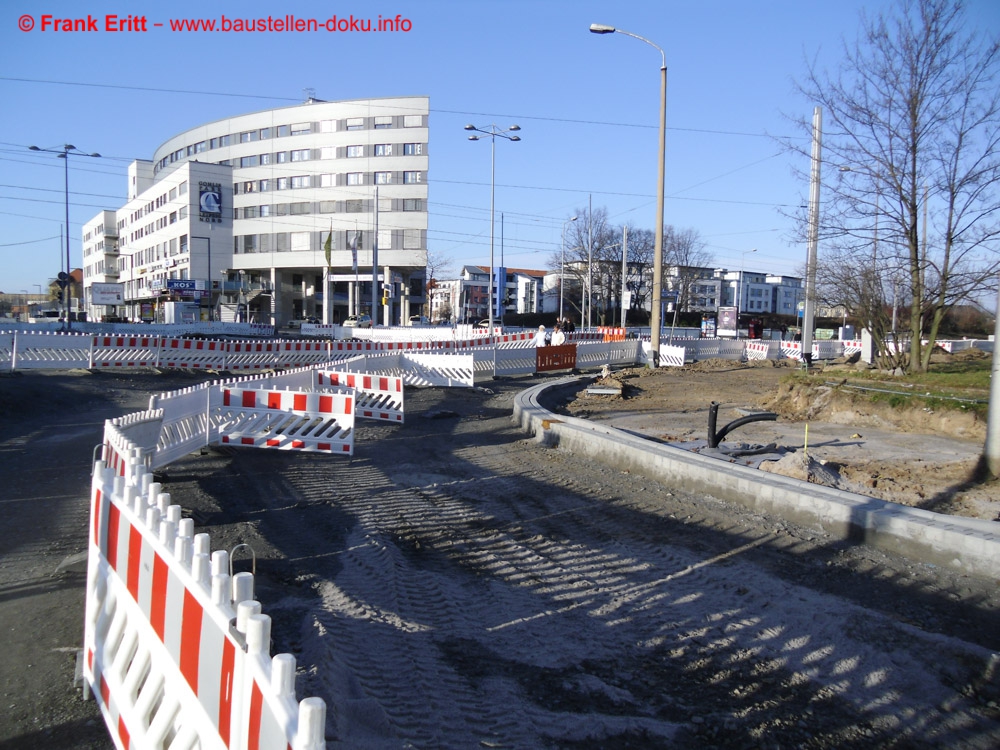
{"x":492,"y":132}
{"x":655,"y":322}
{"x":64,"y":153}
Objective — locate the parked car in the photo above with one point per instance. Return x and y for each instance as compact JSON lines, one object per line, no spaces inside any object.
{"x":297,"y":323}
{"x":419,"y":320}
{"x":358,"y":321}
{"x":484,"y":323}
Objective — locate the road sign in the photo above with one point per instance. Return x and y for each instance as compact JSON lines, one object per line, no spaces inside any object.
{"x":181,"y":284}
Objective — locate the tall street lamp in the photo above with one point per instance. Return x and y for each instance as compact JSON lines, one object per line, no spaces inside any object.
{"x":739,"y":287}
{"x":562,"y":264}
{"x":597,"y":28}
{"x":64,"y":153}
{"x":492,"y":131}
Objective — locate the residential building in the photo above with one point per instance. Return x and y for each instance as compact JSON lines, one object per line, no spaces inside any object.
{"x":466,"y":299}
{"x":318,"y":209}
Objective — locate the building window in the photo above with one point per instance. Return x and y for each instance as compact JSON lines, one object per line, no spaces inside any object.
{"x":250,"y":212}
{"x":248,"y":161}
{"x":382,"y":122}
{"x":265,"y":210}
{"x":266,"y":159}
{"x":224,"y":140}
{"x":301,"y":154}
{"x":326,"y":207}
{"x":265,"y":133}
{"x":327,"y":180}
{"x":300,"y":181}
{"x":413,"y":149}
{"x":413,"y":121}
{"x":173,"y":217}
{"x":354,"y":152}
{"x":355,"y":178}
{"x":412,"y":178}
{"x":199,"y":147}
{"x":300,"y":241}
{"x":384,"y":204}
{"x":283,"y":130}
{"x":182,"y":188}
{"x":328,"y":126}
{"x":328,"y":152}
{"x":282,"y":183}
{"x":411,"y":239}
{"x":172,"y":193}
{"x":281,"y":157}
{"x":383,"y":149}
{"x":182,"y":212}
{"x":385,"y":239}
{"x":354,"y":206}
{"x":355,"y":237}
{"x":265,"y":185}
{"x":383,"y":178}
{"x":298,"y":209}
{"x":413,"y":204}
{"x":281,"y":242}
{"x":249,"y":187}
{"x":301,"y":128}
{"x":355,"y":123}
{"x":248,"y":136}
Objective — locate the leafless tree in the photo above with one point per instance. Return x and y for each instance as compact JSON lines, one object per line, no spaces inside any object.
{"x":911,"y":146}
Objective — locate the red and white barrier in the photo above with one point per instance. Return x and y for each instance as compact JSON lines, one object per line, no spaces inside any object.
{"x":379,"y":397}
{"x":176,"y":650}
{"x":124,"y":351}
{"x":192,"y":354}
{"x":283,"y":420}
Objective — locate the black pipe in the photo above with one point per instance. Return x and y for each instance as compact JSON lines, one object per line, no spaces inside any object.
{"x":714,"y":438}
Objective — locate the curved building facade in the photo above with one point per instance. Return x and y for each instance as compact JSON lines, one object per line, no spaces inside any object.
{"x":281,"y":214}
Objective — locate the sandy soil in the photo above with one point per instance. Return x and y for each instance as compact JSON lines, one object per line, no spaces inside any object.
{"x":823,"y":434}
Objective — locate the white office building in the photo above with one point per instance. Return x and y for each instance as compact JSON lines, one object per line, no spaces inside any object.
{"x":239,"y":215}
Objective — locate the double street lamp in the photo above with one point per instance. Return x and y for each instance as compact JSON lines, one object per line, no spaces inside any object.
{"x":597,"y":28}
{"x":492,"y":132}
{"x":64,"y":153}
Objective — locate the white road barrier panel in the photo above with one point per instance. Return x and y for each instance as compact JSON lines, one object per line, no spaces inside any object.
{"x":284,"y":420}
{"x":124,"y":351}
{"x":175,"y":651}
{"x":379,"y":397}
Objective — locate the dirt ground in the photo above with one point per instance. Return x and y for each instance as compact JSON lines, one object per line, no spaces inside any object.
{"x":455,"y":585}
{"x":823,"y":433}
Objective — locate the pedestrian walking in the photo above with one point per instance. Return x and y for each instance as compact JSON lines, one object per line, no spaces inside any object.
{"x":558,"y":337}
{"x":541,"y":336}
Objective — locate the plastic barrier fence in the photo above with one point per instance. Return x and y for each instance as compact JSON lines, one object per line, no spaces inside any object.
{"x":378,"y":397}
{"x":283,"y":420}
{"x":555,"y":358}
{"x":175,"y":651}
{"x":124,"y":351}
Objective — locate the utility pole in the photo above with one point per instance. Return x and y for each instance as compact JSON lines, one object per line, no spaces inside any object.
{"x":813,"y":241}
{"x":991,"y":452}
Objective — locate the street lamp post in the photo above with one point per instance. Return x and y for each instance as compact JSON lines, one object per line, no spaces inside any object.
{"x":64,"y":153}
{"x":739,"y":287}
{"x":655,"y":322}
{"x":492,"y":131}
{"x":562,"y":266}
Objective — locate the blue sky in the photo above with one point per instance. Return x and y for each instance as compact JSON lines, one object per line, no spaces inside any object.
{"x":588,"y":107}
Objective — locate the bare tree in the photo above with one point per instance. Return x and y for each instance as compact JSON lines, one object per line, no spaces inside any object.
{"x":912,"y":140}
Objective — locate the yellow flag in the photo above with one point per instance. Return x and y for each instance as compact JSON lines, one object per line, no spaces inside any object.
{"x":328,"y":247}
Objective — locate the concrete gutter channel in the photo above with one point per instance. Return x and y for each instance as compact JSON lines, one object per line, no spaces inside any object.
{"x":967,"y":544}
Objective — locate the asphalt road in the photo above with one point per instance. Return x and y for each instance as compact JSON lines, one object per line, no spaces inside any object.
{"x":456,"y":585}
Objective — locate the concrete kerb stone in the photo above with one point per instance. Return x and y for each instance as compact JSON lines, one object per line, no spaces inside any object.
{"x":967,"y":544}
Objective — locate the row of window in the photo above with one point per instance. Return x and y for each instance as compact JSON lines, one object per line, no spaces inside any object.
{"x":299,"y":128}
{"x":407,"y":239}
{"x":329,"y":152}
{"x":320,"y":207}
{"x":295,"y":182}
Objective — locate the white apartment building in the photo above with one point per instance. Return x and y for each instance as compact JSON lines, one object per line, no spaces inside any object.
{"x":466,"y":299}
{"x":245,"y":208}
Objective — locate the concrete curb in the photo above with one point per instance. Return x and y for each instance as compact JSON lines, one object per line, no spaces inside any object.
{"x":967,"y":544}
